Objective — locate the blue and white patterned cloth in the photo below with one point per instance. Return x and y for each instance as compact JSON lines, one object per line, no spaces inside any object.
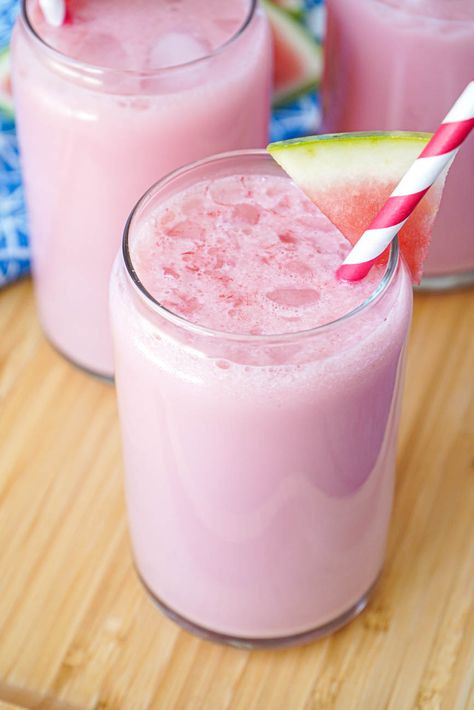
{"x":296,"y":119}
{"x":14,"y":251}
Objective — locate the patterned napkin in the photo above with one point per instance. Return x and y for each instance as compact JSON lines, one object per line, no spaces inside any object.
{"x":14,"y":251}
{"x":297,"y":117}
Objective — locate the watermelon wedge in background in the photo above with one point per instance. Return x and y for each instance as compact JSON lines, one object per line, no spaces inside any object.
{"x":294,"y":6}
{"x":297,"y":54}
{"x":6,"y":100}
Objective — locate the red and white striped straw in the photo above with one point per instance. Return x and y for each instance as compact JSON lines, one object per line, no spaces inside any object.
{"x":54,"y":11}
{"x":438,"y":152}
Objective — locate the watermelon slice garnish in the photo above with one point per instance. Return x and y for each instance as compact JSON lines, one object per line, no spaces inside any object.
{"x":297,"y":56}
{"x":350,"y":176}
{"x":6,"y":99}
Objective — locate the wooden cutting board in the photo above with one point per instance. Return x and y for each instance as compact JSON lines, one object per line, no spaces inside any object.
{"x":78,"y":632}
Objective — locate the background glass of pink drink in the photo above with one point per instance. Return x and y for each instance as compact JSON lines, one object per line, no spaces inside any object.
{"x":259,"y":461}
{"x":400,"y":65}
{"x":101,"y":115}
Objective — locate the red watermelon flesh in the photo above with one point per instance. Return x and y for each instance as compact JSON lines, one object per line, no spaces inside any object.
{"x":6,"y":100}
{"x":287,"y":65}
{"x":353,"y":216}
{"x":297,"y":58}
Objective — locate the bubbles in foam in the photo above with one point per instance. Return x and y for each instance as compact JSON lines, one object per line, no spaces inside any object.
{"x":298,"y":268}
{"x":186,"y":229}
{"x":245,"y":214}
{"x":167,"y":217}
{"x":287,"y":237}
{"x":293,"y":296}
{"x":223,"y":255}
{"x":225,"y":192}
{"x":283,"y":205}
{"x":192,"y":206}
{"x":169,"y":271}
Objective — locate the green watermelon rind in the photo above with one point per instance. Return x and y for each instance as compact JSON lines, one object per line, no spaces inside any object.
{"x":297,"y":156}
{"x":293,"y":7}
{"x":282,"y":99}
{"x":6,"y":101}
{"x":302,"y":42}
{"x":345,"y":140}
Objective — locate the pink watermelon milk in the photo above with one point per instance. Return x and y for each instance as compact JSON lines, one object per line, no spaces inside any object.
{"x":259,"y":404}
{"x":399,"y":65}
{"x":120,"y":94}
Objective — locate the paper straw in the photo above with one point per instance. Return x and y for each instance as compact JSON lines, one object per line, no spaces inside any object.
{"x":438,"y":152}
{"x":54,"y":11}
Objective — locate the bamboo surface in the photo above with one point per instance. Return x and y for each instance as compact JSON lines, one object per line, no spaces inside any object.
{"x":78,"y":632}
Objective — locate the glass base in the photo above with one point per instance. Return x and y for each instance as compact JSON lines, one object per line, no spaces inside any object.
{"x":262,"y":643}
{"x":109,"y":379}
{"x":446,"y":282}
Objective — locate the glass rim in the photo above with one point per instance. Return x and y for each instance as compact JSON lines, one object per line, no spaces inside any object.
{"x":79,"y":65}
{"x":182,"y":322}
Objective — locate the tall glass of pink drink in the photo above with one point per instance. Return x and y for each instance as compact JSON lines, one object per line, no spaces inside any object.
{"x":122,"y":93}
{"x":400,"y":65}
{"x":259,"y":404}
